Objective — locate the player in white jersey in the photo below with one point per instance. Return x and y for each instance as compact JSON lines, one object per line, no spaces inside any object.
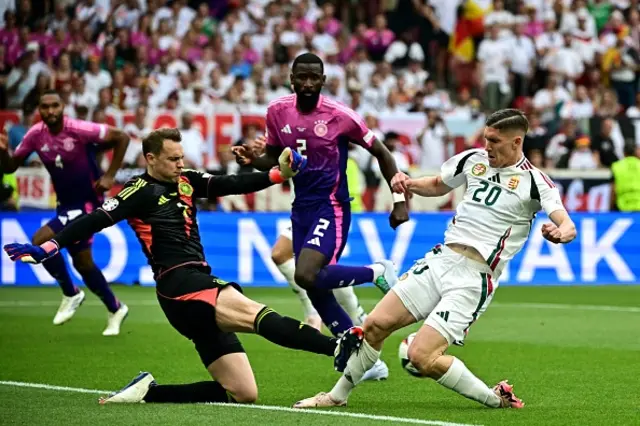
{"x":454,"y":283}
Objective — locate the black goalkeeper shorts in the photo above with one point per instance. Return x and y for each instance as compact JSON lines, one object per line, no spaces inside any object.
{"x":188,"y":297}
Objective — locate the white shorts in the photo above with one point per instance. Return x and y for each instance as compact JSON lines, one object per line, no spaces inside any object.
{"x":287,"y":233}
{"x":448,"y":289}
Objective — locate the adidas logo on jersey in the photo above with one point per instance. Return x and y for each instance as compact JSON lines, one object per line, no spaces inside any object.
{"x":286,"y":129}
{"x":314,"y":242}
{"x":444,"y":315}
{"x":341,"y":283}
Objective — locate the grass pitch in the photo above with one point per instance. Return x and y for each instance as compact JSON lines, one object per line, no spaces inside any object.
{"x":573,"y":354}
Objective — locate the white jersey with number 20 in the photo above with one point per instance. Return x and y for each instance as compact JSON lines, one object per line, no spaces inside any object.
{"x":499,"y":205}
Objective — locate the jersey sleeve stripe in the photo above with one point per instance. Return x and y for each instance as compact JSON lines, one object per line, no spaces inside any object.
{"x":547,"y":180}
{"x":461,"y":163}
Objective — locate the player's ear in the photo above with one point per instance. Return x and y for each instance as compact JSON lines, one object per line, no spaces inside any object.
{"x":324,"y":79}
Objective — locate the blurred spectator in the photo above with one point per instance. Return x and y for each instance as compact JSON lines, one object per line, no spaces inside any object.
{"x":581,"y":156}
{"x":23,"y":78}
{"x":494,"y":56}
{"x":192,"y":144}
{"x":607,"y":144}
{"x":574,"y":66}
{"x":136,"y":131}
{"x":626,"y":185}
{"x":433,"y":141}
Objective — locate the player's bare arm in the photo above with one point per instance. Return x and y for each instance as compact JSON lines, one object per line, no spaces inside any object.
{"x":120,"y":142}
{"x":562,"y":230}
{"x":261,"y":159}
{"x":8,"y":163}
{"x":400,"y":213}
{"x":427,"y":186}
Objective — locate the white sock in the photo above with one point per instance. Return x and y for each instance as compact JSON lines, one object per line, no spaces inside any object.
{"x":347,"y":298}
{"x":288,"y":269}
{"x":358,"y":364}
{"x":378,"y":270}
{"x":461,"y":380}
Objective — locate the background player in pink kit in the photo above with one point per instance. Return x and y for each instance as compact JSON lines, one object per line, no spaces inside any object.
{"x":67,"y":148}
{"x":320,"y":130}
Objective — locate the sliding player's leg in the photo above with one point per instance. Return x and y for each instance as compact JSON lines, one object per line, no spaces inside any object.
{"x":282,"y":256}
{"x":389,"y":315}
{"x":467,"y":290}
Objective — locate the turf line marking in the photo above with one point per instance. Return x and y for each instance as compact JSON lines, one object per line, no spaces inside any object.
{"x":153,"y":302}
{"x":254,"y":407}
{"x":343,"y":414}
{"x":52,"y":387}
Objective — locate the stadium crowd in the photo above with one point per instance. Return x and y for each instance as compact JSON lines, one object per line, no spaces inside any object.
{"x":573,"y":66}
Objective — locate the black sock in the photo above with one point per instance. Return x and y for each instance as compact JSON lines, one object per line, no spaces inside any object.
{"x":183,"y":394}
{"x":291,"y":333}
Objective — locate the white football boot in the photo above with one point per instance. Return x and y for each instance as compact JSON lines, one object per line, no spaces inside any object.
{"x":115,"y":320}
{"x":378,"y":372}
{"x":389,"y":278}
{"x":133,"y":393}
{"x":68,"y":308}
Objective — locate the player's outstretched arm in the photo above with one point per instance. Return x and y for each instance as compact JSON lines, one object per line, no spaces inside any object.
{"x":562,"y":230}
{"x":120,"y":142}
{"x":9,"y":163}
{"x":132,"y":201}
{"x":257,"y":153}
{"x":289,"y":164}
{"x":428,"y":186}
{"x":400,"y":213}
{"x":79,"y":229}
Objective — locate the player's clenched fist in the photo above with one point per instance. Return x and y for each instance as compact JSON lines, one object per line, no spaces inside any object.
{"x":399,"y":183}
{"x":552,"y":233}
{"x":247,"y":152}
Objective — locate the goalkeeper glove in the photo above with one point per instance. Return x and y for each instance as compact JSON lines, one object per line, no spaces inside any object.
{"x":28,"y":253}
{"x":291,"y":163}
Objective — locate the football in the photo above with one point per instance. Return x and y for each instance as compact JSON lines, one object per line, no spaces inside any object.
{"x":403,"y":351}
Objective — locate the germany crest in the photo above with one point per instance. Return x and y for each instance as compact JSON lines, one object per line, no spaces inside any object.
{"x":185,"y":189}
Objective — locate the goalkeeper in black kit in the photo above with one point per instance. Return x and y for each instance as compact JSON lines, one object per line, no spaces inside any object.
{"x":159,"y":206}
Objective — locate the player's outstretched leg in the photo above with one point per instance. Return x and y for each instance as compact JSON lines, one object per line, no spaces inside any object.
{"x":282,"y":256}
{"x":233,"y":381}
{"x":72,"y":296}
{"x":426,"y":353}
{"x":237,"y":313}
{"x":96,"y":282}
{"x":389,"y":315}
{"x":383,"y":274}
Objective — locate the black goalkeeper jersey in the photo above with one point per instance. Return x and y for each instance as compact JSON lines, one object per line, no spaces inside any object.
{"x":163,"y":214}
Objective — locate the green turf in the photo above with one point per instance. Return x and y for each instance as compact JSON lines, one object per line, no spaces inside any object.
{"x":571,"y":366}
